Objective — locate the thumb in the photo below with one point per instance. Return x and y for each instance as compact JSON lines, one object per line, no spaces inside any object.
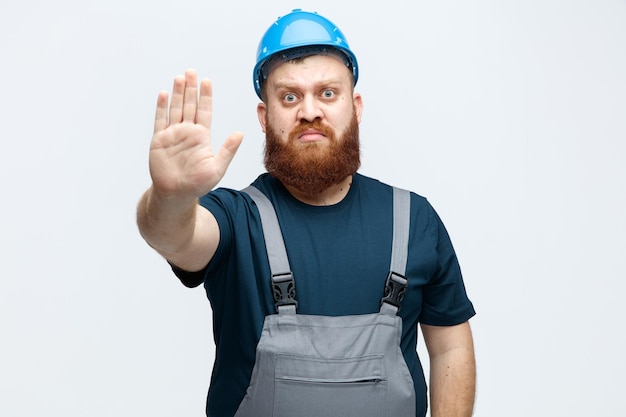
{"x":227,"y":152}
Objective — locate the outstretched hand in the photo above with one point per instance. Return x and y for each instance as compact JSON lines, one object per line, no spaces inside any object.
{"x":182,"y":161}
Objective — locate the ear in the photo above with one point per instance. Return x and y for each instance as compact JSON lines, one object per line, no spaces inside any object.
{"x":357,"y":100}
{"x":261,"y":112}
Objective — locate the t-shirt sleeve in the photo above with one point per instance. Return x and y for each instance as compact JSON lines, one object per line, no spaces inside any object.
{"x":445,"y":300}
{"x":189,"y":279}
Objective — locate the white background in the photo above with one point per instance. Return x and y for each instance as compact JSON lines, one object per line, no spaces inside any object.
{"x":510,"y":116}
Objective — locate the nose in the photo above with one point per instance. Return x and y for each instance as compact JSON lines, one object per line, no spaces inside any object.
{"x":309,"y":109}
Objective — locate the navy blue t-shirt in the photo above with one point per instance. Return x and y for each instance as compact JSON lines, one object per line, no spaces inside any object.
{"x":340,"y":257}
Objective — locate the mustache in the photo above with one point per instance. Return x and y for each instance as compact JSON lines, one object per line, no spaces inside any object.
{"x":316,"y":124}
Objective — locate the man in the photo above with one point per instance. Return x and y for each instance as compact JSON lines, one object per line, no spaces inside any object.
{"x":337,"y":226}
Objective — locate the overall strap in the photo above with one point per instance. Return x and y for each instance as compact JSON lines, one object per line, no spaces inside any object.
{"x":396,"y":284}
{"x":283,"y":284}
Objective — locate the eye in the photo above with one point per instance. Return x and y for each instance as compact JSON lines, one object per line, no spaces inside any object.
{"x":289,"y":97}
{"x":328,"y":93}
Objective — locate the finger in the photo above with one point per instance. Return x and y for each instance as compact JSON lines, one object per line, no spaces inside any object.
{"x":176,"y":104}
{"x":227,"y":151}
{"x":191,"y":96}
{"x":205,"y":104}
{"x":160,"y":118}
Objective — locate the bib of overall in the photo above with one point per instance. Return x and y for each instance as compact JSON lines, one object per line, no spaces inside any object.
{"x":321,"y":366}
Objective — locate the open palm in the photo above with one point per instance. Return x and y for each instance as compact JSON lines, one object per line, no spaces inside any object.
{"x":182,"y":161}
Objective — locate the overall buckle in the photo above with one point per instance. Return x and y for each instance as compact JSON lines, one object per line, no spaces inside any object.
{"x":395,"y":288}
{"x":284,"y":289}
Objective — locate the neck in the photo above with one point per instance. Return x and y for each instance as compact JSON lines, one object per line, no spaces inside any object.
{"x":332,"y":195}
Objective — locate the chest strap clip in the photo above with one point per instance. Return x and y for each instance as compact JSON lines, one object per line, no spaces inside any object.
{"x":395,"y":288}
{"x":284,"y":289}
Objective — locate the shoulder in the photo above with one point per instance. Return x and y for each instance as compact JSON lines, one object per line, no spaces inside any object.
{"x":375,"y":189}
{"x":229,"y":199}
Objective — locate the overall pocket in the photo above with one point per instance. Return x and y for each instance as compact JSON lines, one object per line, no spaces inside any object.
{"x":315,"y":387}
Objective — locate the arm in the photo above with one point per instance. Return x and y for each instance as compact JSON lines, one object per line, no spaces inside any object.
{"x":183,"y":168}
{"x":452,"y":369}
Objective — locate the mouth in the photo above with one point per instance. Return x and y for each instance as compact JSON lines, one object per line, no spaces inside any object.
{"x":311,"y":135}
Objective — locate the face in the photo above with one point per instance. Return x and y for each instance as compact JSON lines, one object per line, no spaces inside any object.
{"x":310,"y":118}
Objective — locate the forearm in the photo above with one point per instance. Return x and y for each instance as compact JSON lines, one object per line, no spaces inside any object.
{"x":167,"y":224}
{"x":453,"y":383}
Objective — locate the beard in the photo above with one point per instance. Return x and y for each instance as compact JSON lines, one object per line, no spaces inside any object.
{"x":313,"y":167}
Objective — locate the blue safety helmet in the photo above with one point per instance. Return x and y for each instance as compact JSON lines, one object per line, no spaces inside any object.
{"x":298,"y":34}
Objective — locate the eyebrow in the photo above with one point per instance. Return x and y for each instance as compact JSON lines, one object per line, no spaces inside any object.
{"x":294,"y":84}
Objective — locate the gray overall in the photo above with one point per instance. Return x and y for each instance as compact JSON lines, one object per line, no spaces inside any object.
{"x":320,"y":366}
